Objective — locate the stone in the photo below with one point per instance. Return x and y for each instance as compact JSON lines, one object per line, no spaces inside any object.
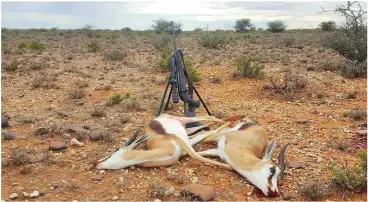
{"x":79,"y":132}
{"x":195,"y":180}
{"x":13,"y":196}
{"x":34,"y":194}
{"x":25,"y":194}
{"x":40,"y":131}
{"x":9,"y":136}
{"x":302,"y":121}
{"x":102,"y":172}
{"x":295,"y":165}
{"x":57,"y":146}
{"x":97,"y":135}
{"x":286,"y":196}
{"x":97,"y":178}
{"x":62,"y":114}
{"x":115,"y":198}
{"x":362,"y":132}
{"x":205,"y":193}
{"x":121,"y":180}
{"x":157,"y":200}
{"x":169,"y":191}
{"x":4,"y":122}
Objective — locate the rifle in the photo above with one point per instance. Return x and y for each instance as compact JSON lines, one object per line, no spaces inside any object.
{"x":178,"y":80}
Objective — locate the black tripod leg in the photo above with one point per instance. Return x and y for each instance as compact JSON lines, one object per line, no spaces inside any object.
{"x":168,"y":98}
{"x":204,"y":105}
{"x":162,"y":99}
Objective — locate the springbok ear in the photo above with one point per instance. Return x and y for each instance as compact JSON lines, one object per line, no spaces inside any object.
{"x":269,"y":150}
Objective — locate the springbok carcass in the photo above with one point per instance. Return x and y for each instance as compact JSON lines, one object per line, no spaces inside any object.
{"x":241,"y":146}
{"x":167,"y":140}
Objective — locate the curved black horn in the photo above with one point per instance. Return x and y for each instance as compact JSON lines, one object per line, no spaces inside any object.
{"x":133,"y":137}
{"x":281,"y":160}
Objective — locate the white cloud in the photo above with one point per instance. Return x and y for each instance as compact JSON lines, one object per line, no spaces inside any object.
{"x":33,"y":16}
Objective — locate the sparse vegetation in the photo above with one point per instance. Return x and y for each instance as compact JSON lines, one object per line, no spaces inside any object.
{"x":351,"y":39}
{"x":213,"y":39}
{"x":351,"y":94}
{"x":313,"y":191}
{"x":77,"y":94}
{"x":12,"y":65}
{"x":290,"y":82}
{"x":161,"y":41}
{"x":114,"y":55}
{"x":116,"y":98}
{"x":37,"y":46}
{"x":162,"y":26}
{"x":351,"y":178}
{"x":243,"y":25}
{"x":356,"y":114}
{"x":193,"y":74}
{"x":288,"y":41}
{"x":22,"y":45}
{"x":341,"y":145}
{"x":157,"y":190}
{"x":276,"y":26}
{"x":93,"y":46}
{"x":328,"y":26}
{"x":98,"y":112}
{"x":19,"y":157}
{"x":248,"y":67}
{"x":163,"y":64}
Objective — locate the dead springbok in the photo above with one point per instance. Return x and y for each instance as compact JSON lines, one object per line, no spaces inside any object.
{"x":241,"y":147}
{"x":166,"y":139}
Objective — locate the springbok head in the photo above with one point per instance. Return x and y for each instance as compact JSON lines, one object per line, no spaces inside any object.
{"x":115,"y":160}
{"x":267,"y":174}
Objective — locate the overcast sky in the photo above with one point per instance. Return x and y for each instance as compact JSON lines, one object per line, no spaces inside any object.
{"x":140,"y":15}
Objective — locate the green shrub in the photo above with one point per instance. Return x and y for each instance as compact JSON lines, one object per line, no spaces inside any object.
{"x":328,"y":26}
{"x":22,"y":45}
{"x":163,"y":62}
{"x":77,"y":94}
{"x":288,"y":41}
{"x":276,"y":26}
{"x":117,"y":98}
{"x":93,"y":46}
{"x":37,"y":46}
{"x":4,"y":47}
{"x":161,"y":41}
{"x":355,"y":114}
{"x":351,"y":178}
{"x":212,"y":39}
{"x":162,"y":26}
{"x":248,"y":67}
{"x":114,"y":55}
{"x":243,"y":25}
{"x":350,"y":40}
{"x":193,"y":73}
{"x":12,"y":65}
{"x":126,"y":29}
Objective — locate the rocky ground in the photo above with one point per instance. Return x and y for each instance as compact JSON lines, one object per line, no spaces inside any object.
{"x":64,"y":90}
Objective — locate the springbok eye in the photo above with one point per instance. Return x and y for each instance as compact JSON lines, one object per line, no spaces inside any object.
{"x":273,"y":170}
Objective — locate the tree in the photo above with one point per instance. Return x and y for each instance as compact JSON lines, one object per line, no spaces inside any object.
{"x":88,"y":29}
{"x":328,"y":25}
{"x":243,"y":25}
{"x":126,"y":29}
{"x":350,"y":40}
{"x":276,"y":26}
{"x":162,"y":25}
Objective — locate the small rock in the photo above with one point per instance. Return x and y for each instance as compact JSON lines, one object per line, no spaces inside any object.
{"x":302,"y":121}
{"x":102,"y":172}
{"x":115,"y":198}
{"x":97,"y":178}
{"x":195,"y":180}
{"x":157,"y":200}
{"x":34,"y":194}
{"x":4,"y":122}
{"x":295,"y":165}
{"x":80,"y":132}
{"x":79,"y":102}
{"x":62,"y":114}
{"x":121,"y":180}
{"x":13,"y":196}
{"x":205,"y":193}
{"x":9,"y":136}
{"x":74,"y":141}
{"x":57,"y":146}
{"x":25,"y":194}
{"x":362,"y":132}
{"x":97,"y":135}
{"x":40,"y":131}
{"x":127,"y":127}
{"x":74,"y":200}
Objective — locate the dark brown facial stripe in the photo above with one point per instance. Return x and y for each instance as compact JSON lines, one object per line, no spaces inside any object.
{"x":157,"y":127}
{"x":269,"y":180}
{"x":247,"y":125}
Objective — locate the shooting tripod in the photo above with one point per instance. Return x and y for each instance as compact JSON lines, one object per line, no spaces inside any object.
{"x":178,"y":79}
